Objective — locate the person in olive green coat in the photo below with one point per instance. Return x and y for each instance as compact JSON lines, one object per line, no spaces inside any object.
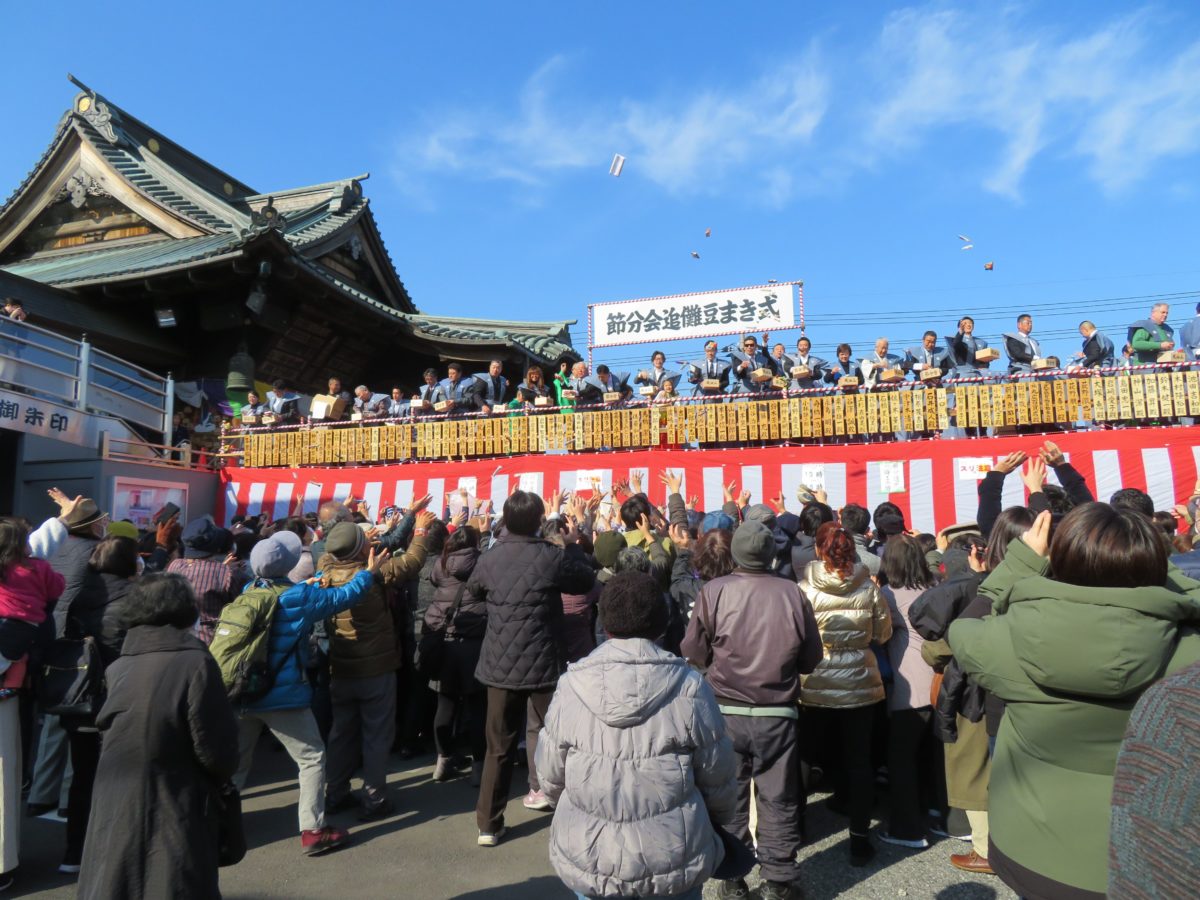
{"x":1083,"y":625}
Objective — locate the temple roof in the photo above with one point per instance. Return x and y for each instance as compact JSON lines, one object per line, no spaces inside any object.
{"x":169,"y":211}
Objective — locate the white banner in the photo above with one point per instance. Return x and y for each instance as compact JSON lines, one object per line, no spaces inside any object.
{"x":765,"y":308}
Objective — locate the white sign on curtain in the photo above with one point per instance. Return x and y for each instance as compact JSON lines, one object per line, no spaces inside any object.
{"x":766,"y":308}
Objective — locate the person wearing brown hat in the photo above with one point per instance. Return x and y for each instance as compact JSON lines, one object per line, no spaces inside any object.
{"x":364,"y":655}
{"x":754,"y":655}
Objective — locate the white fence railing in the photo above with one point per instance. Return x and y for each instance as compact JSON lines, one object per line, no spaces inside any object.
{"x":44,"y":364}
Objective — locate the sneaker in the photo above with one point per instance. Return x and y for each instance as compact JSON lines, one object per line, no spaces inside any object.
{"x":732,"y":889}
{"x":537,"y":801}
{"x":490,"y":838}
{"x":372,"y":812}
{"x":778,"y":890}
{"x":322,"y":840}
{"x":69,"y":868}
{"x":917,"y":844}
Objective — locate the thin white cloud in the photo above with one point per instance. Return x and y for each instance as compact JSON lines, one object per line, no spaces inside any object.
{"x":683,"y":144}
{"x":1110,"y":96}
{"x":1115,"y":96}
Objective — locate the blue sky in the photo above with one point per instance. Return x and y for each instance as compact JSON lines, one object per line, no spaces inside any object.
{"x":845,"y":147}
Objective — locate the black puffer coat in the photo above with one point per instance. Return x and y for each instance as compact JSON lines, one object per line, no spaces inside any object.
{"x":522,"y":579}
{"x":930,"y":616}
{"x":71,"y":562}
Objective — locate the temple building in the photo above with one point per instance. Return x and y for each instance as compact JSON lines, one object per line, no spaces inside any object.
{"x":170,"y":262}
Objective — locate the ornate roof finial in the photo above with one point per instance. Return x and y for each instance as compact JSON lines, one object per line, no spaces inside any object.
{"x":93,"y":110}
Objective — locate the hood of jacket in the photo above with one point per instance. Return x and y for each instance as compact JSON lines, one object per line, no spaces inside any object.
{"x":629,"y":679}
{"x":461,"y":563}
{"x":1105,"y":643}
{"x":827,"y":581}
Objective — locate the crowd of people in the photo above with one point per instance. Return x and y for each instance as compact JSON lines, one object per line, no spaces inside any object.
{"x":745,"y":370}
{"x":655,"y":662}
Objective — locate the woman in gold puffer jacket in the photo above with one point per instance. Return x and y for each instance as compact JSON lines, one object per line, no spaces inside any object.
{"x":841,"y":694}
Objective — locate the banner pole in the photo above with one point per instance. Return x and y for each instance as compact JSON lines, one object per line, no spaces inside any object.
{"x":590,"y":314}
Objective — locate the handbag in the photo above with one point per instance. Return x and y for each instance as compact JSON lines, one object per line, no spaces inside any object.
{"x":231,"y":837}
{"x":71,"y":678}
{"x":431,"y":649}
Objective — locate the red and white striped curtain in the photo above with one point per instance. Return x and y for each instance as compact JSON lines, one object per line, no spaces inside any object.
{"x":940,"y":476}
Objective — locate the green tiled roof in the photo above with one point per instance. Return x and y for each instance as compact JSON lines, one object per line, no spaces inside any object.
{"x":228,"y":211}
{"x":547,"y":341}
{"x":104,"y":264}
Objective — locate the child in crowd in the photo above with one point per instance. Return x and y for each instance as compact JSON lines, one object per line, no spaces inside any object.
{"x":28,"y":589}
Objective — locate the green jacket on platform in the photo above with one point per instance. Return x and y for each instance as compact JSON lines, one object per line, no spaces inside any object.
{"x":1070,"y":662}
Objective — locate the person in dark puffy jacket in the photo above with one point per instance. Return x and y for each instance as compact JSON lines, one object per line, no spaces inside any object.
{"x":286,"y":709}
{"x":458,"y":691}
{"x":97,"y":613}
{"x":522,"y":579}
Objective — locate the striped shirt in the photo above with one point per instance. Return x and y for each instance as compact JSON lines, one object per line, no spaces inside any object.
{"x":212,"y":581}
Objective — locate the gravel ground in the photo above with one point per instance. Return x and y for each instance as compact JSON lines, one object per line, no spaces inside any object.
{"x":427,"y":850}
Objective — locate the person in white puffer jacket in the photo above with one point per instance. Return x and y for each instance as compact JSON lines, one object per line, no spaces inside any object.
{"x":635,"y":756}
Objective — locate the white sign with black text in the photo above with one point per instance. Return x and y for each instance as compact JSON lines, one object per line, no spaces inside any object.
{"x":764,"y":308}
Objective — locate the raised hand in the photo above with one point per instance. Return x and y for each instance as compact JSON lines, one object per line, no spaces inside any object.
{"x":64,"y":503}
{"x":1034,"y":475}
{"x":635,"y":481}
{"x":743,"y":499}
{"x":376,"y":558}
{"x":680,"y":537}
{"x":1012,"y":462}
{"x":424,"y":519}
{"x":692,"y":501}
{"x":1038,"y":535}
{"x":421,"y":504}
{"x":778,"y":502}
{"x":728,"y":491}
{"x":671,"y":480}
{"x":1051,"y":455}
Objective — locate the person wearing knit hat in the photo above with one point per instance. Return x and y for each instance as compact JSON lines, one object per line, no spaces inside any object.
{"x":345,"y":542}
{"x":364,"y":658}
{"x":753,"y":547}
{"x":275,"y":556}
{"x":607,"y":545}
{"x":123,"y":528}
{"x":753,"y":655}
{"x":286,"y":708}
